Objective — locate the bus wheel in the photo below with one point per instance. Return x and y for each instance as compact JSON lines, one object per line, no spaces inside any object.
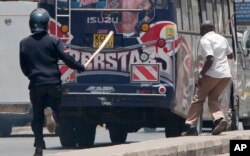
{"x":57,"y":131}
{"x":234,"y":119}
{"x":172,"y":131}
{"x":177,"y":129}
{"x":118,"y":134}
{"x":5,"y":128}
{"x":85,"y":133}
{"x":67,"y":132}
{"x":233,"y":111}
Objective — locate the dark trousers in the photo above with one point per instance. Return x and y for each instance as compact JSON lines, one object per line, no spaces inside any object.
{"x":41,"y":97}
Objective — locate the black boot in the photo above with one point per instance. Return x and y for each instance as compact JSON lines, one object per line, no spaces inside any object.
{"x":189,"y":131}
{"x":38,"y":152}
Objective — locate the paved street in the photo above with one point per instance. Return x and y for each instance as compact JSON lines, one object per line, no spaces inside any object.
{"x":21,"y":141}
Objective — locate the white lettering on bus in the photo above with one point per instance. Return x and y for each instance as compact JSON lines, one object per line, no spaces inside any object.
{"x":111,"y":62}
{"x":99,"y":62}
{"x":119,"y":61}
{"x":134,"y":57}
{"x":123,"y":59}
{"x":102,"y":20}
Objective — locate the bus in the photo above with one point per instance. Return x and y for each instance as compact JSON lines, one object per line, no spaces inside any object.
{"x":145,"y":76}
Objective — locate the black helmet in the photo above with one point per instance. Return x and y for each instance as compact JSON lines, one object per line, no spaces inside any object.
{"x":39,"y":20}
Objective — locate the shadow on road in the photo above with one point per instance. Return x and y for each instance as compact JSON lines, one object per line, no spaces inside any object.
{"x":26,"y":135}
{"x":96,"y":145}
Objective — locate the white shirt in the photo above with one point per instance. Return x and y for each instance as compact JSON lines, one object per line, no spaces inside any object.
{"x":217,"y":46}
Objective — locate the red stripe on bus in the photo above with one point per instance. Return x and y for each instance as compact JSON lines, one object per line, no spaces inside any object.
{"x":145,"y":72}
{"x":155,"y":67}
{"x":135,"y":77}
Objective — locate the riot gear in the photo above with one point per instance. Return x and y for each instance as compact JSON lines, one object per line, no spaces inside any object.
{"x":39,"y":20}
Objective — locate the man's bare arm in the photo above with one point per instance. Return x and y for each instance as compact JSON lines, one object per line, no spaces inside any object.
{"x":207,"y":65}
{"x":230,"y":56}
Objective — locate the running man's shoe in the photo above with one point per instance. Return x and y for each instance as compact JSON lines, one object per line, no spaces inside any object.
{"x":219,"y":126}
{"x":49,"y":120}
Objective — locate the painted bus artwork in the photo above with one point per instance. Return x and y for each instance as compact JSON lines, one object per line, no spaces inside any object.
{"x":145,"y":75}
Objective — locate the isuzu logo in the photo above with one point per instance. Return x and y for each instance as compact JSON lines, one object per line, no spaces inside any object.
{"x":102,"y":20}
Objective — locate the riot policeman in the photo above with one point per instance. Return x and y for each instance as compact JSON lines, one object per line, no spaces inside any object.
{"x":39,"y":54}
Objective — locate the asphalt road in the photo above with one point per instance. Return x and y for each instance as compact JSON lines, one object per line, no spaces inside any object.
{"x":20,"y":143}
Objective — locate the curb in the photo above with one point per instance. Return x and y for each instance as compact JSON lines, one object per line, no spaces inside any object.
{"x":179,"y":146}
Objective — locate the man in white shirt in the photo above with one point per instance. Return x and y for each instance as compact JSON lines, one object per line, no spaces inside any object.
{"x":214,"y":78}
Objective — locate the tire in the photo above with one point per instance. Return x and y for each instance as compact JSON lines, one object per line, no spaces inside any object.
{"x":234,"y":120}
{"x":67,"y":133}
{"x":172,"y":131}
{"x":176,"y":129}
{"x":57,"y":131}
{"x":85,"y":133}
{"x":234,"y":111}
{"x":5,"y":128}
{"x":118,"y":134}
{"x":246,"y":123}
{"x":200,"y":124}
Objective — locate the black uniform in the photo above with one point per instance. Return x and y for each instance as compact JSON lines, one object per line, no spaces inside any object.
{"x":39,"y":55}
